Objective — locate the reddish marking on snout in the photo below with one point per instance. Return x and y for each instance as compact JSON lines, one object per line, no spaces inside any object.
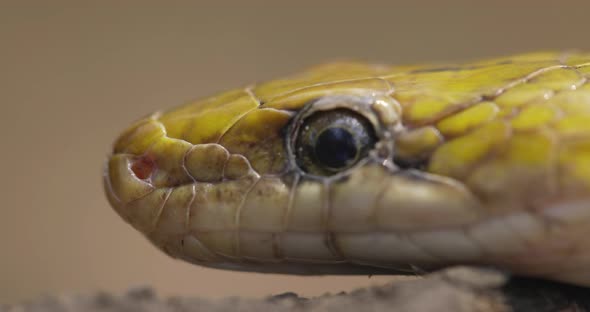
{"x":144,"y":166}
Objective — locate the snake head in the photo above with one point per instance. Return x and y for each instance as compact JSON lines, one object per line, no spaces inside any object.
{"x":332,"y":172}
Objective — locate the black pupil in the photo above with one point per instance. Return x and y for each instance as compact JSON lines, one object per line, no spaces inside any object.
{"x":335,"y":148}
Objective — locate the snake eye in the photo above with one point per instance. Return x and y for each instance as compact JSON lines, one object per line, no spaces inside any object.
{"x":329,"y":142}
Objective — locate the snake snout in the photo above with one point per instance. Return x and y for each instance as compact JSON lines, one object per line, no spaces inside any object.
{"x":138,"y":178}
{"x":125,"y":183}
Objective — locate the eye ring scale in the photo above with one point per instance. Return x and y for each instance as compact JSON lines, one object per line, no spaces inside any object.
{"x":336,"y":133}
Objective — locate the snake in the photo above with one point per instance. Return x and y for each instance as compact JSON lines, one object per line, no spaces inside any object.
{"x":366,"y":168}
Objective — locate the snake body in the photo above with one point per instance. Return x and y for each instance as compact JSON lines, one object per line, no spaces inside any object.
{"x":483,"y":163}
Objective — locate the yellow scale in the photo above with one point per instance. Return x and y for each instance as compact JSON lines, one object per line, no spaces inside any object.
{"x":359,"y":168}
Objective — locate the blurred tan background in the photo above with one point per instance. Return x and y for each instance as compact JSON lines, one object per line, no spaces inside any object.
{"x":72,"y":75}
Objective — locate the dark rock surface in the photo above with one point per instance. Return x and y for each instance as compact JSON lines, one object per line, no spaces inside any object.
{"x":452,"y":290}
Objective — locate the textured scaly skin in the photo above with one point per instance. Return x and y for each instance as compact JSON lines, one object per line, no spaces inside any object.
{"x":483,"y":163}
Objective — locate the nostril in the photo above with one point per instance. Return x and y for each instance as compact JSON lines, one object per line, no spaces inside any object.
{"x":143,"y":166}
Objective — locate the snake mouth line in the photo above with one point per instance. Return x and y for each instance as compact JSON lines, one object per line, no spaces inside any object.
{"x":405,"y":245}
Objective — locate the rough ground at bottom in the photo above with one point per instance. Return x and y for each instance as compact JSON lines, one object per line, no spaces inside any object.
{"x":459,"y":289}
